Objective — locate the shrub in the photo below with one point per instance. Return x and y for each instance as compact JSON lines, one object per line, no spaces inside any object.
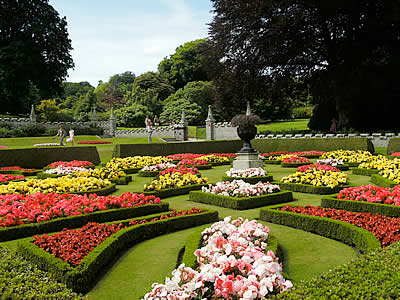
{"x":302,"y":112}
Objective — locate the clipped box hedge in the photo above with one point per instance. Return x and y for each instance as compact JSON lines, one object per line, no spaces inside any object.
{"x":363,"y":171}
{"x":294,"y":165}
{"x":17,"y":172}
{"x":393,"y":145}
{"x":347,"y":233}
{"x":122,"y":180}
{"x":361,"y":206}
{"x":40,"y":157}
{"x":82,"y":278}
{"x":44,"y":175}
{"x":241,"y":203}
{"x":252,"y":180}
{"x":21,"y":231}
{"x":100,"y":192}
{"x":272,"y":162}
{"x":310,"y":189}
{"x":202,"y":167}
{"x":165,"y":193}
{"x":148,"y":173}
{"x":132,"y":170}
{"x":382,"y":181}
{"x":344,"y":167}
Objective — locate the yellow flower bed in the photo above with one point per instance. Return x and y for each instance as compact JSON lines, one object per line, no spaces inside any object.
{"x":174,"y":180}
{"x":280,"y":157}
{"x":349,"y":156}
{"x":391,"y":174}
{"x":213,"y":159}
{"x":65,"y":184}
{"x":102,"y":173}
{"x":135,"y":162}
{"x":317,"y":178}
{"x":381,"y":163}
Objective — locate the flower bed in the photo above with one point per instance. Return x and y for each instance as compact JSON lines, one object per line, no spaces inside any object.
{"x":181,"y":169}
{"x":386,"y":229}
{"x":294,"y":161}
{"x":395,"y":154}
{"x":317,"y":167}
{"x":318,"y":178}
{"x":2,"y":147}
{"x":181,"y":156}
{"x":47,"y":145}
{"x":278,"y":153}
{"x":199,"y":164}
{"x":73,"y":163}
{"x":153,"y":170}
{"x":174,"y":180}
{"x":309,"y":154}
{"x":60,"y":171}
{"x":82,"y":277}
{"x":229,"y":155}
{"x":65,"y":184}
{"x":94,"y":142}
{"x":232,"y":265}
{"x":18,"y":170}
{"x":252,"y":175}
{"x":133,"y":164}
{"x":103,"y":173}
{"x":353,"y":158}
{"x":5,"y":178}
{"x":239,"y":188}
{"x":215,"y":160}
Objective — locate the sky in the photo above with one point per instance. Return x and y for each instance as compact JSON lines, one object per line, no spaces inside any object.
{"x":111,"y":37}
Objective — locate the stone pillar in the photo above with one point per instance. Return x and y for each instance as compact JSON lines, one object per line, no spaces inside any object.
{"x":32,"y":116}
{"x":94,"y":115}
{"x":181,"y":130}
{"x":210,"y":125}
{"x":248,"y":110}
{"x":113,"y":123}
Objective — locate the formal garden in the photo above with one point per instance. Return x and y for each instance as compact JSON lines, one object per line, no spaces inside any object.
{"x":319,"y":219}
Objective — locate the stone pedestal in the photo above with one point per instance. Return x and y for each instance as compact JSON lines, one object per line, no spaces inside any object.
{"x":247,"y":160}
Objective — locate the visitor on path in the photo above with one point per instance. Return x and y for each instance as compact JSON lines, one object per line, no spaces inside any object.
{"x":155,"y":121}
{"x":333,"y":126}
{"x":146,"y":121}
{"x":61,"y":134}
{"x":149,"y":128}
{"x":71,"y":136}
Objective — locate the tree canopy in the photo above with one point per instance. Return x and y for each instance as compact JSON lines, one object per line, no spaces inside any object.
{"x":34,"y":50}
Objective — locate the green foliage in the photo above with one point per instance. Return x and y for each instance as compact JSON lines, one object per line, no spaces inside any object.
{"x":185,"y":65}
{"x":393,"y":146}
{"x":252,"y":180}
{"x":132,"y":116}
{"x":34,"y":52}
{"x":311,"y":189}
{"x":302,"y":112}
{"x":83,"y":276}
{"x":21,"y":279}
{"x":372,"y":276}
{"x":361,"y":206}
{"x":349,"y":234}
{"x":48,"y":110}
{"x":365,"y":172}
{"x":241,"y":203}
{"x":173,"y":107}
{"x":382,"y":181}
{"x":165,"y":193}
{"x":156,"y":82}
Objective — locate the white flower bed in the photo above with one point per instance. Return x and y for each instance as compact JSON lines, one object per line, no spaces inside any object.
{"x":159,"y":167}
{"x":232,"y":265}
{"x":330,"y":161}
{"x":66,"y":170}
{"x":46,"y":145}
{"x":252,"y":172}
{"x":239,"y":188}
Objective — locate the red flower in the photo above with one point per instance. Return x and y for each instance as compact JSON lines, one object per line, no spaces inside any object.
{"x":95,"y":142}
{"x":73,"y":163}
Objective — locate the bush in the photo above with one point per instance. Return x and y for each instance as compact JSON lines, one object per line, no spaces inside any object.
{"x":83,"y":276}
{"x":165,"y":193}
{"x":311,"y":189}
{"x":382,"y":181}
{"x":34,"y":130}
{"x":363,"y":171}
{"x":241,"y":203}
{"x":393,"y":145}
{"x":349,"y":234}
{"x":361,"y":206}
{"x":302,"y":112}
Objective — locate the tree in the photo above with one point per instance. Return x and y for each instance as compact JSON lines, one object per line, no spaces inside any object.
{"x":346,"y":51}
{"x":48,"y":110}
{"x":185,"y":65}
{"x":132,"y":116}
{"x":172,"y":111}
{"x":156,"y":82}
{"x":34,"y":50}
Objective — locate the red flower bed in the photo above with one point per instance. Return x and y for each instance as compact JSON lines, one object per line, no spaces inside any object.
{"x":295,"y":160}
{"x":181,"y":156}
{"x":308,"y":153}
{"x":274,"y":153}
{"x":15,"y":168}
{"x":317,"y":167}
{"x":386,"y":229}
{"x":373,"y":194}
{"x":72,"y":245}
{"x":395,"y":154}
{"x":16,"y":209}
{"x":9,"y":177}
{"x":181,"y":169}
{"x":193,"y":162}
{"x":231,"y":155}
{"x":73,"y":163}
{"x":3,"y":146}
{"x":95,"y":142}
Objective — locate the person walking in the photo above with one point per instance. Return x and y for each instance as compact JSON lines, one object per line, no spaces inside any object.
{"x":71,"y":136}
{"x":155,"y":121}
{"x":61,"y":134}
{"x":149,"y":129}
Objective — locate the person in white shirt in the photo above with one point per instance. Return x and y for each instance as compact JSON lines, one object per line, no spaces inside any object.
{"x":72,"y":136}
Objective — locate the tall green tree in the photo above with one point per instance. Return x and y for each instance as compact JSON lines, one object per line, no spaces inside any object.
{"x":185,"y":65}
{"x":34,"y":50}
{"x":156,"y":82}
{"x":348,"y":52}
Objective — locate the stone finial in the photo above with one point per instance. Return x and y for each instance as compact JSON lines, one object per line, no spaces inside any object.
{"x":94,"y":115}
{"x":210,"y":117}
{"x":32,"y":116}
{"x":248,"y":110}
{"x":112,"y":116}
{"x":183,"y":118}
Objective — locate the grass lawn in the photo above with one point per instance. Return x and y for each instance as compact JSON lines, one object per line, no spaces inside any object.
{"x":297,"y":124}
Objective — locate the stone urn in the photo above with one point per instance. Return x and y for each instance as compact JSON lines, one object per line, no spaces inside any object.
{"x":246,"y":134}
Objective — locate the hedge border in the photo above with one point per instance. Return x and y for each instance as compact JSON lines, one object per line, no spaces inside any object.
{"x":22,"y":231}
{"x":361,"y":206}
{"x":100,"y":192}
{"x":363,"y":171}
{"x":165,"y":193}
{"x":200,"y":167}
{"x":272,"y":162}
{"x":44,"y":175}
{"x":16,"y":180}
{"x":360,"y":238}
{"x":132,"y":170}
{"x":311,"y":189}
{"x":344,"y":167}
{"x":25,"y":173}
{"x":148,"y":173}
{"x":82,"y":277}
{"x":252,"y":180}
{"x":294,"y":165}
{"x":241,"y":203}
{"x":124,"y":180}
{"x":382,"y":181}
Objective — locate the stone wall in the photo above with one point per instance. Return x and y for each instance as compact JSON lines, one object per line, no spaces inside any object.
{"x":141,"y":132}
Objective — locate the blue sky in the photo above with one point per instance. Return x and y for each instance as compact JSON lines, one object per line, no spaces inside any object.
{"x":111,"y":37}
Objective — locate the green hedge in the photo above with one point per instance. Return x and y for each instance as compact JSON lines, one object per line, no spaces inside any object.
{"x":252,"y":180}
{"x":44,"y":175}
{"x":349,"y":234}
{"x":40,"y":157}
{"x":272,"y":162}
{"x":311,"y":189}
{"x":21,"y":231}
{"x":82,"y":278}
{"x":25,"y":173}
{"x":372,"y":276}
{"x":294,"y":165}
{"x":241,"y":203}
{"x":344,"y":167}
{"x":393,"y":146}
{"x":382,"y":181}
{"x":122,"y":180}
{"x":100,"y":192}
{"x":7,"y":182}
{"x":361,"y":206}
{"x":132,"y":170}
{"x":363,"y":171}
{"x":165,"y":193}
{"x":202,"y":167}
{"x":148,"y":173}
{"x":353,"y":165}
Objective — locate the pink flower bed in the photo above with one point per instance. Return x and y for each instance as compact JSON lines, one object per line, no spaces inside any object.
{"x":16,"y":209}
{"x":181,"y":156}
{"x":73,"y":163}
{"x":395,"y":154}
{"x":15,"y":168}
{"x":317,"y":167}
{"x":3,"y":146}
{"x":274,"y":153}
{"x":230,"y":155}
{"x":295,"y":160}
{"x":9,"y":177}
{"x":193,"y":162}
{"x":373,"y":194}
{"x":308,"y":153}
{"x":95,"y":142}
